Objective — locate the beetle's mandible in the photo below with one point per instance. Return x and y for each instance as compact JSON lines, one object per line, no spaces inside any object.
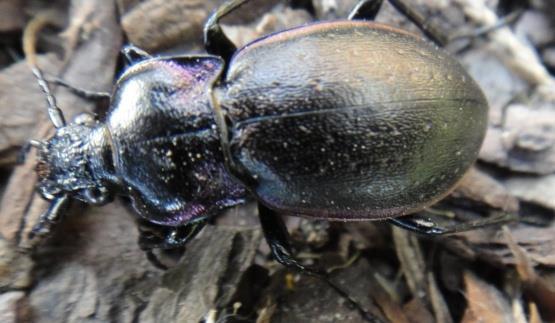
{"x":343,"y":120}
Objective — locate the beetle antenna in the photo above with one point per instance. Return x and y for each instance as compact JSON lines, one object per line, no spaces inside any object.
{"x":29,"y":41}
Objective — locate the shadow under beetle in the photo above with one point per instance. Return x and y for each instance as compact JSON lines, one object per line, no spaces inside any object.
{"x":345,"y":120}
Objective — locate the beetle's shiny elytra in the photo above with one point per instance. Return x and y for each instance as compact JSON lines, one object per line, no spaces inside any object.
{"x":348,"y":120}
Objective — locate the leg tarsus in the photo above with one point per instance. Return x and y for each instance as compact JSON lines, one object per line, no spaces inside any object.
{"x":51,"y":217}
{"x":215,"y":40}
{"x":366,"y":10}
{"x":153,"y":259}
{"x":422,"y":225}
{"x":277,"y":237}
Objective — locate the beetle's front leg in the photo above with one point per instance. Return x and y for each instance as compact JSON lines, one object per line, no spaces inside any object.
{"x":423,"y":225}
{"x":153,"y":236}
{"x":277,"y":237}
{"x":51,"y":217}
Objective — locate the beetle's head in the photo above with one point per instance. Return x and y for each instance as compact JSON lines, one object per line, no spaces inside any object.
{"x":68,"y":163}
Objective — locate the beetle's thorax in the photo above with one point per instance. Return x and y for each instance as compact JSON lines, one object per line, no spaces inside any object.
{"x":166,"y":147}
{"x":76,"y":161}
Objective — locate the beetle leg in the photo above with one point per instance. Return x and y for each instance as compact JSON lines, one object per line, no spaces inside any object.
{"x":481,"y":31}
{"x":83,"y":93}
{"x":215,"y":40}
{"x":366,"y":10}
{"x":153,"y":236}
{"x":134,"y":54}
{"x":421,"y":22}
{"x":277,"y":237}
{"x":51,"y":217}
{"x":24,"y":150}
{"x":422,"y":225}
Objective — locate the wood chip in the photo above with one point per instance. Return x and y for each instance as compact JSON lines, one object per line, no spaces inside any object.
{"x":12,"y":16}
{"x":478,"y":186}
{"x":206,"y":278}
{"x":159,"y":24}
{"x":485,"y":302}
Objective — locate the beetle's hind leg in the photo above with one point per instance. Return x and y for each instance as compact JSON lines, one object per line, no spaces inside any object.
{"x":368,"y":9}
{"x":277,"y":237}
{"x":215,"y":40}
{"x":420,"y":224}
{"x":421,"y":21}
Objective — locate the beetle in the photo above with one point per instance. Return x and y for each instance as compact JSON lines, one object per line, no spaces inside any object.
{"x":345,"y":120}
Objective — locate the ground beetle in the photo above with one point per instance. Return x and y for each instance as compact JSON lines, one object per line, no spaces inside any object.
{"x":345,"y":120}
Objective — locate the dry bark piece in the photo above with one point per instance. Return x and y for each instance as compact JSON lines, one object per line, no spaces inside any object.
{"x":15,"y":267}
{"x":312,"y":300}
{"x":534,"y":314}
{"x":534,"y":26}
{"x":535,"y":189}
{"x":276,"y":20}
{"x":478,"y":186}
{"x":392,"y":310}
{"x":92,"y":270}
{"x":421,"y":283}
{"x":485,"y":302}
{"x":12,"y":16}
{"x":490,"y":245}
{"x":69,"y":296}
{"x":11,"y":307}
{"x":125,"y":6}
{"x":499,"y":84}
{"x":529,"y":137}
{"x":155,"y":25}
{"x":206,"y":278}
{"x":525,"y":142}
{"x":439,"y":305}
{"x":159,"y":24}
{"x":548,"y":56}
{"x":538,"y":289}
{"x":417,"y":312}
{"x":412,"y":262}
